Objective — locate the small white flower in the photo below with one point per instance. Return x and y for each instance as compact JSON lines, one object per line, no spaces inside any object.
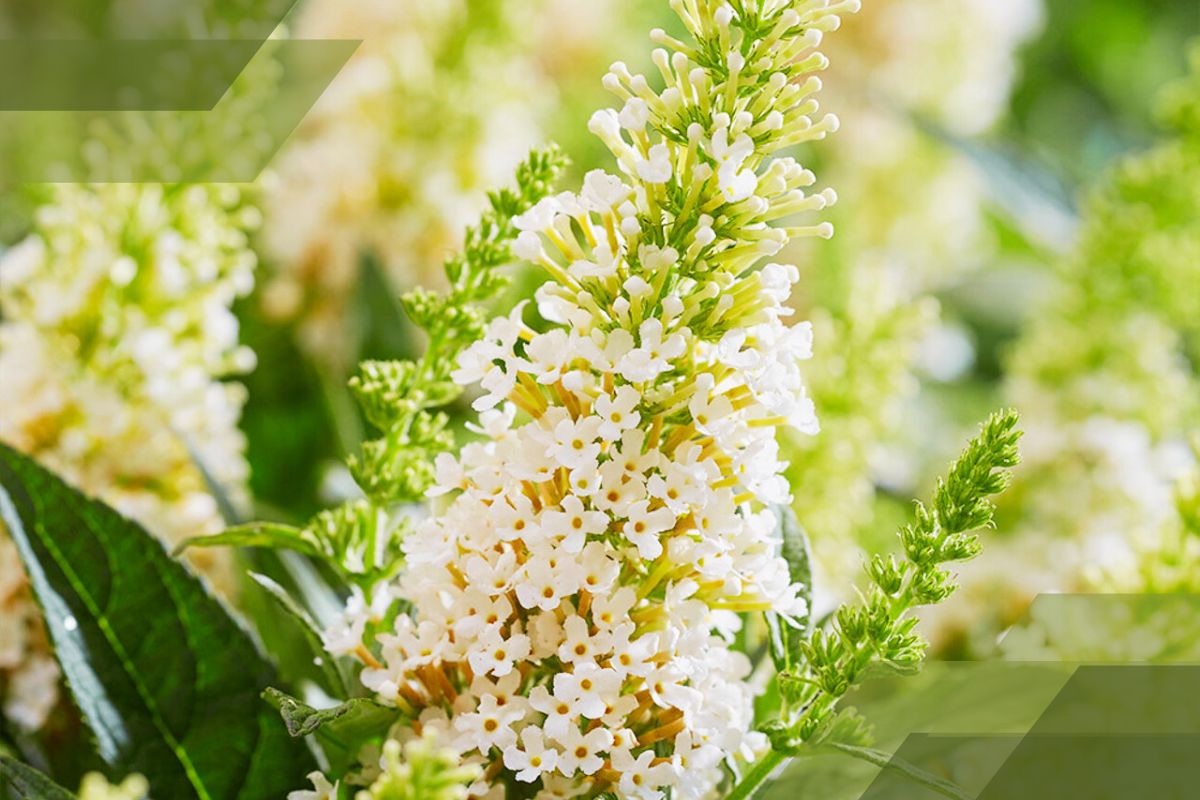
{"x":582,"y":751}
{"x":573,"y":524}
{"x":544,"y":584}
{"x":589,"y":688}
{"x":634,"y":115}
{"x":653,"y":355}
{"x":598,"y":570}
{"x":515,"y":518}
{"x":575,"y":442}
{"x":477,"y":611}
{"x":580,"y":645}
{"x":603,"y":192}
{"x":559,"y":711}
{"x":495,"y":655}
{"x":604,"y":263}
{"x":610,"y":610}
{"x":490,"y":725}
{"x":533,"y":758}
{"x":656,"y":167}
{"x":540,"y":216}
{"x":492,"y":576}
{"x":639,"y":776}
{"x":546,"y":356}
{"x":322,"y":789}
{"x":643,"y":527}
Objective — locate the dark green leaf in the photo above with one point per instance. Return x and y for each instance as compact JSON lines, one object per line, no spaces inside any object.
{"x":786,"y":635}
{"x":333,"y":681}
{"x":379,"y":326}
{"x":255,"y":534}
{"x":341,"y":731}
{"x":165,"y":678}
{"x":28,"y":783}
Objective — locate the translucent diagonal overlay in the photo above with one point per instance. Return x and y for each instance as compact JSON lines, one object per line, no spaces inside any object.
{"x":1092,"y":698}
{"x":231,"y":142}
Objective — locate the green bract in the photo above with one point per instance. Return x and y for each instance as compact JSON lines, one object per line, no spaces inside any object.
{"x":879,"y":631}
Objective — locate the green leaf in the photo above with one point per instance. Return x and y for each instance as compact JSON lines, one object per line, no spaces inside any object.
{"x":256,"y":534}
{"x":887,"y":761}
{"x":342,"y":731}
{"x":785,"y":635}
{"x":28,"y":783}
{"x":1034,"y":198}
{"x":167,"y":681}
{"x":333,"y":680}
{"x":846,"y":727}
{"x":886,"y":668}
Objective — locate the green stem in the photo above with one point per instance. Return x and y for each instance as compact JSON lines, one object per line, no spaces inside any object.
{"x":750,"y":783}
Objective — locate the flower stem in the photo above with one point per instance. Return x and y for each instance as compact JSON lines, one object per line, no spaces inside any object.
{"x":757,"y":776}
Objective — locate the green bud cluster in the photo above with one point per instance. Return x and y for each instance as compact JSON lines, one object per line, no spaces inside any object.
{"x":420,"y":771}
{"x":402,"y":398}
{"x":879,"y":631}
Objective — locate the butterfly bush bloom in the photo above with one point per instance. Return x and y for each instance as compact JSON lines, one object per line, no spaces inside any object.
{"x":117,"y":332}
{"x":576,"y":592}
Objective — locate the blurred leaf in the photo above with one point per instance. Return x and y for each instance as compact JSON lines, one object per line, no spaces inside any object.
{"x":290,"y":440}
{"x":29,"y":784}
{"x":164,"y":677}
{"x":332,"y":680}
{"x":847,"y":727}
{"x":382,"y":329}
{"x":1041,"y":205}
{"x":785,"y":635}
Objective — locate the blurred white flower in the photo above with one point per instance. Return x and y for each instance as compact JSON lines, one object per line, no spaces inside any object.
{"x":116,"y":338}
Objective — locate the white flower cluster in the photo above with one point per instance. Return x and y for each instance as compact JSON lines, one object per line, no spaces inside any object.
{"x":116,"y":332}
{"x":576,"y":596}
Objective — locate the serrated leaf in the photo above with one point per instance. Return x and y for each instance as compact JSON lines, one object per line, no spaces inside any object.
{"x":886,"y":668}
{"x":846,"y":727}
{"x":334,"y":681}
{"x":911,"y":771}
{"x":167,"y":681}
{"x":786,"y":635}
{"x":342,"y":731}
{"x":29,"y":783}
{"x":255,"y":534}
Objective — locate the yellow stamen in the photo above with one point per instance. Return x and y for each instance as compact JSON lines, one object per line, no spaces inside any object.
{"x":365,"y":656}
